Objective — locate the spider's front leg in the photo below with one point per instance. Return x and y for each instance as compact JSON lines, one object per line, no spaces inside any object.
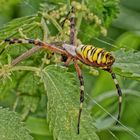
{"x":81,"y":92}
{"x":35,"y":42}
{"x":39,"y":45}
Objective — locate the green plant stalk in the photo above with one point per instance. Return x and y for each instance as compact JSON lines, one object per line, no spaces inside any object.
{"x":45,"y":30}
{"x":55,"y":23}
{"x":79,"y":21}
{"x":24,"y":68}
{"x":25,"y":55}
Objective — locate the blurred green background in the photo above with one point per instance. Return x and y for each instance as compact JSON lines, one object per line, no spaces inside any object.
{"x":123,"y":33}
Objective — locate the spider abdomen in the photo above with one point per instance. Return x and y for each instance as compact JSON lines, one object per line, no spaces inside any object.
{"x":94,"y":55}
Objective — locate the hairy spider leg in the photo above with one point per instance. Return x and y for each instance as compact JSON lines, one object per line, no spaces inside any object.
{"x":36,"y":43}
{"x":66,"y":18}
{"x":80,"y":76}
{"x":72,"y":33}
{"x":73,"y":43}
{"x":81,"y":93}
{"x":119,"y":94}
{"x":72,"y":28}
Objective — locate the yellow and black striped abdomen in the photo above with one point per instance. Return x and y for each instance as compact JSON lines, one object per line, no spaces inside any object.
{"x":94,"y":55}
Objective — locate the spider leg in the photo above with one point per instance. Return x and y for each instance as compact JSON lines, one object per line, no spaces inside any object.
{"x":68,"y":61}
{"x":36,"y":43}
{"x":81,"y":92}
{"x":72,"y":28}
{"x":119,"y":93}
{"x":66,"y":18}
{"x":113,"y":75}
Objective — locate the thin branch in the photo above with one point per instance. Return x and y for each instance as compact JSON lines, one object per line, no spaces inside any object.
{"x":25,"y":55}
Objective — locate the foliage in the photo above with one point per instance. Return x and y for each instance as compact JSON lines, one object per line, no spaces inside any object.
{"x":36,"y":87}
{"x":125,"y":63}
{"x":11,"y":126}
{"x":62,"y":106}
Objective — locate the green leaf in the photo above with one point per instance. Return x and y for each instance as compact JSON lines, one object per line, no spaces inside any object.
{"x":107,"y":10}
{"x":11,"y":128}
{"x":127,"y":63}
{"x":63,"y":106}
{"x":38,"y":126}
{"x":27,"y":24}
{"x":128,"y":40}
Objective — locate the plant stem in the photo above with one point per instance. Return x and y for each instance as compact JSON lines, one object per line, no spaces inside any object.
{"x":45,"y":30}
{"x":55,"y":23}
{"x":79,"y":20}
{"x":25,"y":68}
{"x":25,"y":55}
